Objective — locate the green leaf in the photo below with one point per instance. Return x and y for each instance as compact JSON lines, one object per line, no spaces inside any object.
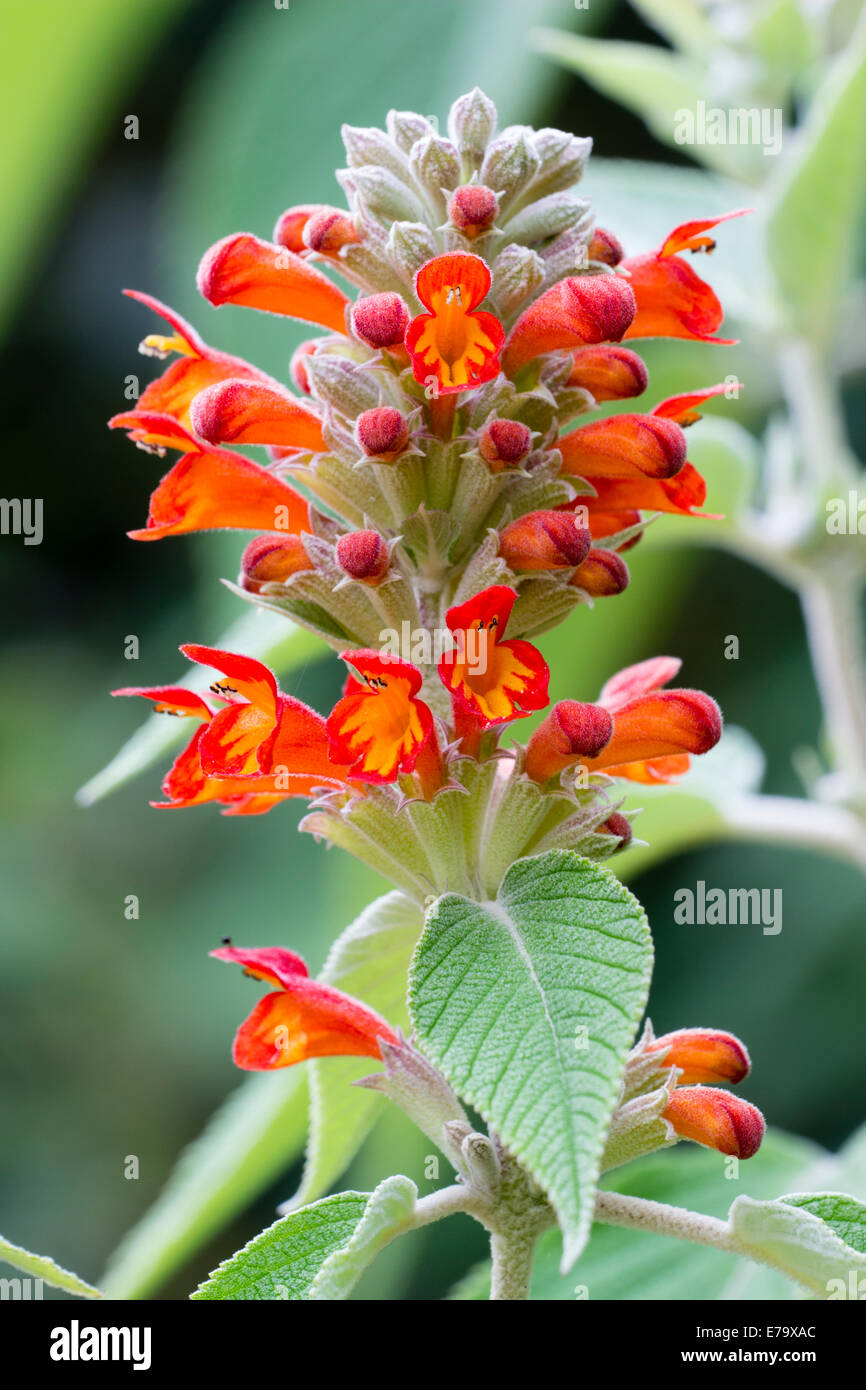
{"x":283,"y":1260}
{"x":270,"y":638}
{"x":528,"y":1005}
{"x":319,"y":1251}
{"x":257,"y":1133}
{"x":817,"y":198}
{"x":845,"y":1216}
{"x":46,"y":1269}
{"x":370,"y":960}
{"x":388,"y":1211}
{"x":633,"y":1265}
{"x":682,"y":22}
{"x":799,"y":1243}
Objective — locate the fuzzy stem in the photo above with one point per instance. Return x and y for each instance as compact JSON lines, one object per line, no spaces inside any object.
{"x":512,"y":1254}
{"x":834,"y":624}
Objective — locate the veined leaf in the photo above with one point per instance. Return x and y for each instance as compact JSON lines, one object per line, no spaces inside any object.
{"x":252,"y":1139}
{"x":371,"y":961}
{"x":388,"y":1211}
{"x":268,"y":637}
{"x":845,"y":1216}
{"x":319,"y":1251}
{"x":818,"y":196}
{"x":528,"y":1005}
{"x":46,"y":1269}
{"x":796,"y":1241}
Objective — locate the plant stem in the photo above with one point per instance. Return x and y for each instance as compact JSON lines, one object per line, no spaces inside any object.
{"x":834,"y":624}
{"x":512,"y":1253}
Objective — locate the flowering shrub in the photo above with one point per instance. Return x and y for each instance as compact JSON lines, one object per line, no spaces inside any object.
{"x":439,"y":488}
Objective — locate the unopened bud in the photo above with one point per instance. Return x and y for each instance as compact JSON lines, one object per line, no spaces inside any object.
{"x":716,"y":1119}
{"x":472,"y":209}
{"x":472,"y":123}
{"x":703,"y":1055}
{"x":363,"y":555}
{"x":609,"y":372}
{"x":620,"y":826}
{"x":380,"y":320}
{"x":548,"y":540}
{"x":329,"y":230}
{"x":289,"y":231}
{"x":504,"y":443}
{"x":382,"y":433}
{"x":602,"y":574}
{"x":570,"y":732}
{"x":272,"y":559}
{"x":605,"y":247}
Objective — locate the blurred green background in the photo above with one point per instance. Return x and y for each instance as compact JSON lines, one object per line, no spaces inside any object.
{"x":115,"y":1034}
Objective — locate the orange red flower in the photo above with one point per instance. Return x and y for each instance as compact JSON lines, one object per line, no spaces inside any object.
{"x":672,"y":301}
{"x":583,"y":309}
{"x":380,"y":728}
{"x":651,"y":732}
{"x":491,"y":680}
{"x":302,"y":1018}
{"x":703,"y":1055}
{"x":455,"y":342}
{"x":210,"y":488}
{"x":236,"y":411}
{"x":716,"y":1119}
{"x":243,"y":269}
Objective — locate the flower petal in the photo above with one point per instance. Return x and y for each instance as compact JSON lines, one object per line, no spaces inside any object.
{"x":583,"y":309}
{"x":625,"y":446}
{"x":255,"y":412}
{"x":242,"y":269}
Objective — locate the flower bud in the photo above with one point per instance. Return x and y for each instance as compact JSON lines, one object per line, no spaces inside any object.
{"x":570,"y":732}
{"x":703,"y":1055}
{"x":518,"y":273}
{"x":510,"y":162}
{"x":272,"y":559}
{"x":435,"y":164}
{"x":609,"y":373}
{"x":385,"y":194}
{"x":382,"y":432}
{"x":342,"y":384}
{"x":625,"y":446}
{"x":563,"y":160}
{"x":380,"y":320}
{"x":548,"y":540}
{"x":405,"y":128}
{"x":605,"y":247}
{"x":363,"y":555}
{"x":472,"y":209}
{"x":602,"y":574}
{"x":620,"y":826}
{"x":298,"y":365}
{"x":328,"y":231}
{"x":472,"y":124}
{"x":716,"y":1119}
{"x":289,"y":231}
{"x":504,"y":443}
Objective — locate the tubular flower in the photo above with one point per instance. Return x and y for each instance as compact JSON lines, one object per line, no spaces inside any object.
{"x":703,"y":1055}
{"x":242,"y":269}
{"x":380,"y":728}
{"x":625,"y":447}
{"x":303,"y":1018}
{"x":197,"y":366}
{"x":289,"y":231}
{"x":209,"y":488}
{"x":272,"y":559}
{"x":716,"y":1119}
{"x":547,"y":540}
{"x":602,"y":574}
{"x":256,"y":749}
{"x":672,"y":301}
{"x":255,"y":412}
{"x":608,"y":372}
{"x":455,"y":342}
{"x":489,"y":679}
{"x":652,"y":731}
{"x":577,"y":311}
